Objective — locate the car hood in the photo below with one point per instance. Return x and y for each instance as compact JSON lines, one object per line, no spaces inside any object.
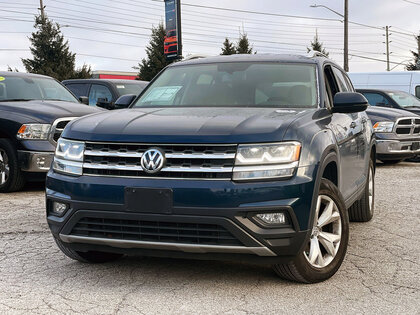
{"x":413,"y":110}
{"x":48,"y":111}
{"x":184,"y":125}
{"x":387,"y":114}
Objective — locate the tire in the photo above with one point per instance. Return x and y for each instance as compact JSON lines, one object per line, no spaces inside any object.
{"x":363,"y":209}
{"x":11,"y":177}
{"x":391,"y":162}
{"x":308,"y":266}
{"x":87,"y":257}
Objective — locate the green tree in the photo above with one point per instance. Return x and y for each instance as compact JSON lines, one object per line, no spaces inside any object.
{"x":415,"y":65}
{"x":84,"y":72}
{"x":51,"y":53}
{"x":155,"y":61}
{"x":228,"y":47}
{"x":9,"y":68}
{"x":243,"y":46}
{"x":317,"y":45}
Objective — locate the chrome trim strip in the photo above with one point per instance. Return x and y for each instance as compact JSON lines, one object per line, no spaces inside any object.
{"x":168,"y":155}
{"x":54,"y":129}
{"x":187,"y":248}
{"x":265,"y":167}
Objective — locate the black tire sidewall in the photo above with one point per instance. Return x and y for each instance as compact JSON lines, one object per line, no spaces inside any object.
{"x":14,"y":172}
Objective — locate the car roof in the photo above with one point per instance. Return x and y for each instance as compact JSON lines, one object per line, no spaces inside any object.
{"x":253,"y":58}
{"x":23,"y":74}
{"x":113,"y":81}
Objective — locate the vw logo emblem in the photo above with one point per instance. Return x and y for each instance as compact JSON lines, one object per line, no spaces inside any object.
{"x":152,"y":161}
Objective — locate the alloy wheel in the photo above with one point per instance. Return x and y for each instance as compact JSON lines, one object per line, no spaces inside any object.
{"x":371,"y":188}
{"x":4,"y":167}
{"x":326,"y":233}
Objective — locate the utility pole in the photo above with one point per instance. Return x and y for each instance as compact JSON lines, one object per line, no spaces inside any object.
{"x":387,"y":47}
{"x":42,"y":7}
{"x":346,"y":35}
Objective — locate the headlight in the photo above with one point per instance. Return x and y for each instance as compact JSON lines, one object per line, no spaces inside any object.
{"x":34,"y":131}
{"x":278,"y":160}
{"x":383,"y":126}
{"x":69,"y":157}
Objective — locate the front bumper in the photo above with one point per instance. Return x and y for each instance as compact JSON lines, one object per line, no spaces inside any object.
{"x":196,"y":203}
{"x":31,"y":161}
{"x":391,"y":147}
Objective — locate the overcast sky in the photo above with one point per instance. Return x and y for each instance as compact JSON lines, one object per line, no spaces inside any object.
{"x":112,"y":34}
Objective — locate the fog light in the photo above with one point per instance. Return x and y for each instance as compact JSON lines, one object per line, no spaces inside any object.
{"x":272,"y":218}
{"x":40,"y":162}
{"x":59,"y":208}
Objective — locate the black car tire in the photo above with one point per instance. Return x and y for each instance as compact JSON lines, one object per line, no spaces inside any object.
{"x":390,"y":162}
{"x":15,"y":179}
{"x":87,"y":257}
{"x":300,"y":269}
{"x":362,"y":210}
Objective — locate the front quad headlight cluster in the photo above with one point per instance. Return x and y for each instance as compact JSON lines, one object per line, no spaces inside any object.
{"x":69,"y":157}
{"x":383,"y":126}
{"x":266,"y":161}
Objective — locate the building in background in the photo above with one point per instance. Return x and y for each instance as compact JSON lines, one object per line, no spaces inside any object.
{"x":120,"y":75}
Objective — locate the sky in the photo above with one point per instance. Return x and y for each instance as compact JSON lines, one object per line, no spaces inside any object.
{"x":113,"y":34}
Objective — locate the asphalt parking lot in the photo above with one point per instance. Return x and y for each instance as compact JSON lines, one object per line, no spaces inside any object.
{"x":381,"y":272}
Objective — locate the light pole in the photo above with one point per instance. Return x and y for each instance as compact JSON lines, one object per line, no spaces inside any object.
{"x":345,"y":16}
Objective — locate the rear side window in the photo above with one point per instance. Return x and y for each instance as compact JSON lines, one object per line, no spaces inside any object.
{"x":376,"y":99}
{"x":78,"y":89}
{"x":418,"y":91}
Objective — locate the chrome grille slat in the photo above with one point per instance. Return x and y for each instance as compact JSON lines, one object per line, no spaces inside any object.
{"x":57,"y":128}
{"x":407,"y":126}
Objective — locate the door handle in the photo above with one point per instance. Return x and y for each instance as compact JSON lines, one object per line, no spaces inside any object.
{"x":353,"y":125}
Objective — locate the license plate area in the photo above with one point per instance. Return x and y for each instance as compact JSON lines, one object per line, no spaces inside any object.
{"x":149,"y":200}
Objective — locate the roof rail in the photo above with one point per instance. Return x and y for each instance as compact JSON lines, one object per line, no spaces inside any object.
{"x":195,"y":56}
{"x":315,"y":53}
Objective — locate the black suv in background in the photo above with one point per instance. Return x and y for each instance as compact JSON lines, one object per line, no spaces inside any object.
{"x":34,"y":110}
{"x":392,"y":99}
{"x":259,"y":158}
{"x":104,"y":92}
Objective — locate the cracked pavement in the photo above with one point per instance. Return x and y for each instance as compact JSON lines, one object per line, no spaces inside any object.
{"x":380,"y":273}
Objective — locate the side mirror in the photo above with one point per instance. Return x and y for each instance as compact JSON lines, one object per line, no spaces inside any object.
{"x":84,"y":100}
{"x":103,"y":102}
{"x":125,"y":101}
{"x":349,"y":102}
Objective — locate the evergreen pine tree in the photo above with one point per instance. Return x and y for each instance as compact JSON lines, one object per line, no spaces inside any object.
{"x":317,"y":45}
{"x":155,"y":60}
{"x":51,"y":53}
{"x":243,"y":46}
{"x":415,"y":65}
{"x":228,"y":48}
{"x":84,"y":72}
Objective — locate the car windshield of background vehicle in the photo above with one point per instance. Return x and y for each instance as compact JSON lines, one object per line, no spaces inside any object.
{"x":15,"y":88}
{"x":404,"y":99}
{"x":240,"y":84}
{"x":124,"y":89}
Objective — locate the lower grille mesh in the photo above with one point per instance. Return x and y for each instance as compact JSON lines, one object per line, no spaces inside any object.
{"x":155,"y":231}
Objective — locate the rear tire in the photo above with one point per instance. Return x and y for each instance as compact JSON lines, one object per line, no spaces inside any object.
{"x":322,"y":256}
{"x":86,"y":257}
{"x":11,"y":177}
{"x":363,"y":209}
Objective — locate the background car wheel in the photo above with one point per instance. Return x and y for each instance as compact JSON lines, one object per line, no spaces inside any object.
{"x":323,"y":254}
{"x":362,"y":210}
{"x":390,"y":162}
{"x":11,"y":177}
{"x":87,"y":257}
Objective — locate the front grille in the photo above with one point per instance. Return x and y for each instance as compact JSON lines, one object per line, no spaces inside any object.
{"x":408,"y":126}
{"x":155,"y":231}
{"x":182,"y":161}
{"x":58,"y":128}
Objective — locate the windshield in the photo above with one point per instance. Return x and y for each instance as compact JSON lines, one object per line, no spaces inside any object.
{"x":16,"y":88}
{"x":404,"y":99}
{"x":241,"y":84}
{"x":130,"y":88}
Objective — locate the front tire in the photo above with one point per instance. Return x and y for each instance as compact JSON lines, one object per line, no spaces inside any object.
{"x":11,"y":177}
{"x":322,"y":256}
{"x":86,"y":257}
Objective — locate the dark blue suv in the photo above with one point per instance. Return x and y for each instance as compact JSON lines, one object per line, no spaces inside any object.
{"x":259,"y":158}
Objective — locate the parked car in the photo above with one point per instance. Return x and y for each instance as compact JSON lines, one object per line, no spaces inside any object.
{"x":397,"y":132}
{"x":34,"y":110}
{"x":407,"y":81}
{"x":104,"y":92}
{"x":259,"y":158}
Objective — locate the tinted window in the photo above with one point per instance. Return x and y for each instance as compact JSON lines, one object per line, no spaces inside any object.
{"x":99,"y":91}
{"x":330,"y":85}
{"x":33,"y":88}
{"x":341,"y":80}
{"x":418,"y":91}
{"x":376,"y":99}
{"x":78,"y":89}
{"x":234,"y":84}
{"x":129,"y":88}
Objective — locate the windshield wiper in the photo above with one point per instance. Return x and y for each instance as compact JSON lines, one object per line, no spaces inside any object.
{"x":17,"y":100}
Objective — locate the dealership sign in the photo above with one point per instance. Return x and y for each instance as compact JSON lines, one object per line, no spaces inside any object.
{"x":173,"y":44}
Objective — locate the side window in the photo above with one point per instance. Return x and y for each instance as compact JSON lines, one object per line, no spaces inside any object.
{"x":341,"y":80}
{"x":376,"y":99}
{"x":99,"y":91}
{"x":418,"y":91}
{"x":78,"y":89}
{"x":330,"y":84}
